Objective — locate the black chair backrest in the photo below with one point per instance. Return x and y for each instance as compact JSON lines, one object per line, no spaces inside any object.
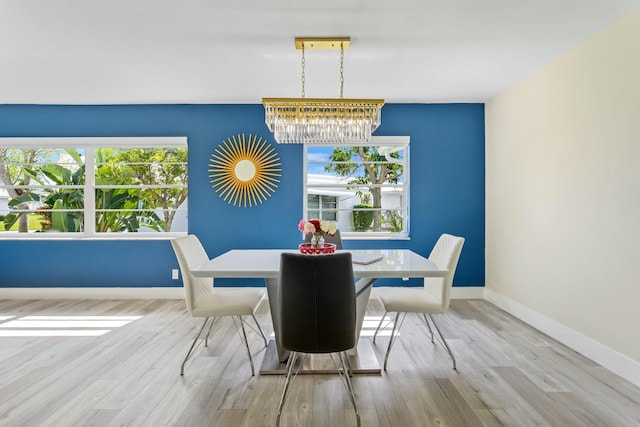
{"x":335,"y":239}
{"x":317,"y":303}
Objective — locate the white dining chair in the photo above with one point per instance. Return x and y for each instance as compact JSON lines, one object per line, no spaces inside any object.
{"x":432,"y":298}
{"x":205,"y":300}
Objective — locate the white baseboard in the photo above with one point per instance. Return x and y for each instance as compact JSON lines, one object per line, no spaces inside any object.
{"x":610,"y":359}
{"x":92,"y":293}
{"x":467,"y":292}
{"x":471,"y":292}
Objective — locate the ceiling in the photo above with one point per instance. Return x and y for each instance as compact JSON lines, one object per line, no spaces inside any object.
{"x":238,"y":51}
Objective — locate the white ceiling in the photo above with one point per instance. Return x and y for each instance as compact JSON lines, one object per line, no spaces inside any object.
{"x":238,"y":51}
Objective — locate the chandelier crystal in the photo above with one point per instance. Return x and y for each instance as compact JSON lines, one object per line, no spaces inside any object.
{"x":322,"y":120}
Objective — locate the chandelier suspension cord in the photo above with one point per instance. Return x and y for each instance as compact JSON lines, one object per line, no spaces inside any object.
{"x":341,"y":70}
{"x":303,"y":70}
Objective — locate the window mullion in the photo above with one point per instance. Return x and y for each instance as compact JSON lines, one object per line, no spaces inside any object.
{"x":90,"y":192}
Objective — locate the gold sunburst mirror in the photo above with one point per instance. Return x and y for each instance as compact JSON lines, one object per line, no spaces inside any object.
{"x":244,"y":171}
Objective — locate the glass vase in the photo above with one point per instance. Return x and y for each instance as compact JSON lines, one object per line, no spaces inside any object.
{"x":317,"y":241}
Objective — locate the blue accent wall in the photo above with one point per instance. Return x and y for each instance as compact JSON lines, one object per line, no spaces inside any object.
{"x":446,"y":184}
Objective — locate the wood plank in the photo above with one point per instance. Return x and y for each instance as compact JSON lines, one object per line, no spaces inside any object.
{"x":451,"y":404}
{"x":540,"y":401}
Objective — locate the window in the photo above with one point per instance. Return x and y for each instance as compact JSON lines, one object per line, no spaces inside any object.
{"x":364,"y":189}
{"x":90,"y":187}
{"x":322,"y":207}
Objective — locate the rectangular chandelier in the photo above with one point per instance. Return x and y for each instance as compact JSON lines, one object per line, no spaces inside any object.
{"x":322,"y":120}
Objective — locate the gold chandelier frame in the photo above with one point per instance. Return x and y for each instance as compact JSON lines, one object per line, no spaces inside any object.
{"x":322,"y":120}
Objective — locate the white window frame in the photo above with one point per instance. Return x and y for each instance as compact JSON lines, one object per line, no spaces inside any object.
{"x":90,"y":144}
{"x":389,"y":141}
{"x":321,"y":210}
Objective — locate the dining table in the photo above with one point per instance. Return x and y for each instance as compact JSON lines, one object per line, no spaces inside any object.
{"x":369,"y":265}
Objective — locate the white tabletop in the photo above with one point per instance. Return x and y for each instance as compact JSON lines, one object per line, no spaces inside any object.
{"x":265,"y":263}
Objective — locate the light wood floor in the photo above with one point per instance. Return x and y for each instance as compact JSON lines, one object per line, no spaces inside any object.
{"x":508,"y":374}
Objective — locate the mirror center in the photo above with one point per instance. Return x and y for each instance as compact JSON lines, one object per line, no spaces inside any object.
{"x":245,"y":170}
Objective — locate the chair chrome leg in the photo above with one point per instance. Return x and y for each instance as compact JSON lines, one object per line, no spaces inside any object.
{"x":344,"y":372}
{"x":349,"y":364}
{"x":446,"y":346}
{"x":287,"y":384}
{"x":426,"y":322}
{"x":348,"y":385}
{"x":396,"y":325}
{"x":243,"y":338}
{"x":375,"y":334}
{"x":339,"y":368}
{"x":206,"y":338}
{"x":380,"y":327}
{"x":260,"y":329}
{"x":190,"y":352}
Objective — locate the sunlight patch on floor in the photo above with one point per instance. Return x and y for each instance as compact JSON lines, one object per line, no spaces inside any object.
{"x":370,"y":323}
{"x":52,"y":333}
{"x":63,"y":326}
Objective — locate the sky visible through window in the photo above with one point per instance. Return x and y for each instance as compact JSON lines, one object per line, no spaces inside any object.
{"x":318,"y":154}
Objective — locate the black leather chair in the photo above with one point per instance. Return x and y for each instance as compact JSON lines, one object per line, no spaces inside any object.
{"x":335,"y":239}
{"x":317,"y":312}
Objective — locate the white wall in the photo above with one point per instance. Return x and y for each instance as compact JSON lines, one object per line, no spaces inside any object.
{"x":563,"y":195}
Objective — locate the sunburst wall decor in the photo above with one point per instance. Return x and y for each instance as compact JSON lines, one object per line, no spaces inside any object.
{"x":245,"y":171}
